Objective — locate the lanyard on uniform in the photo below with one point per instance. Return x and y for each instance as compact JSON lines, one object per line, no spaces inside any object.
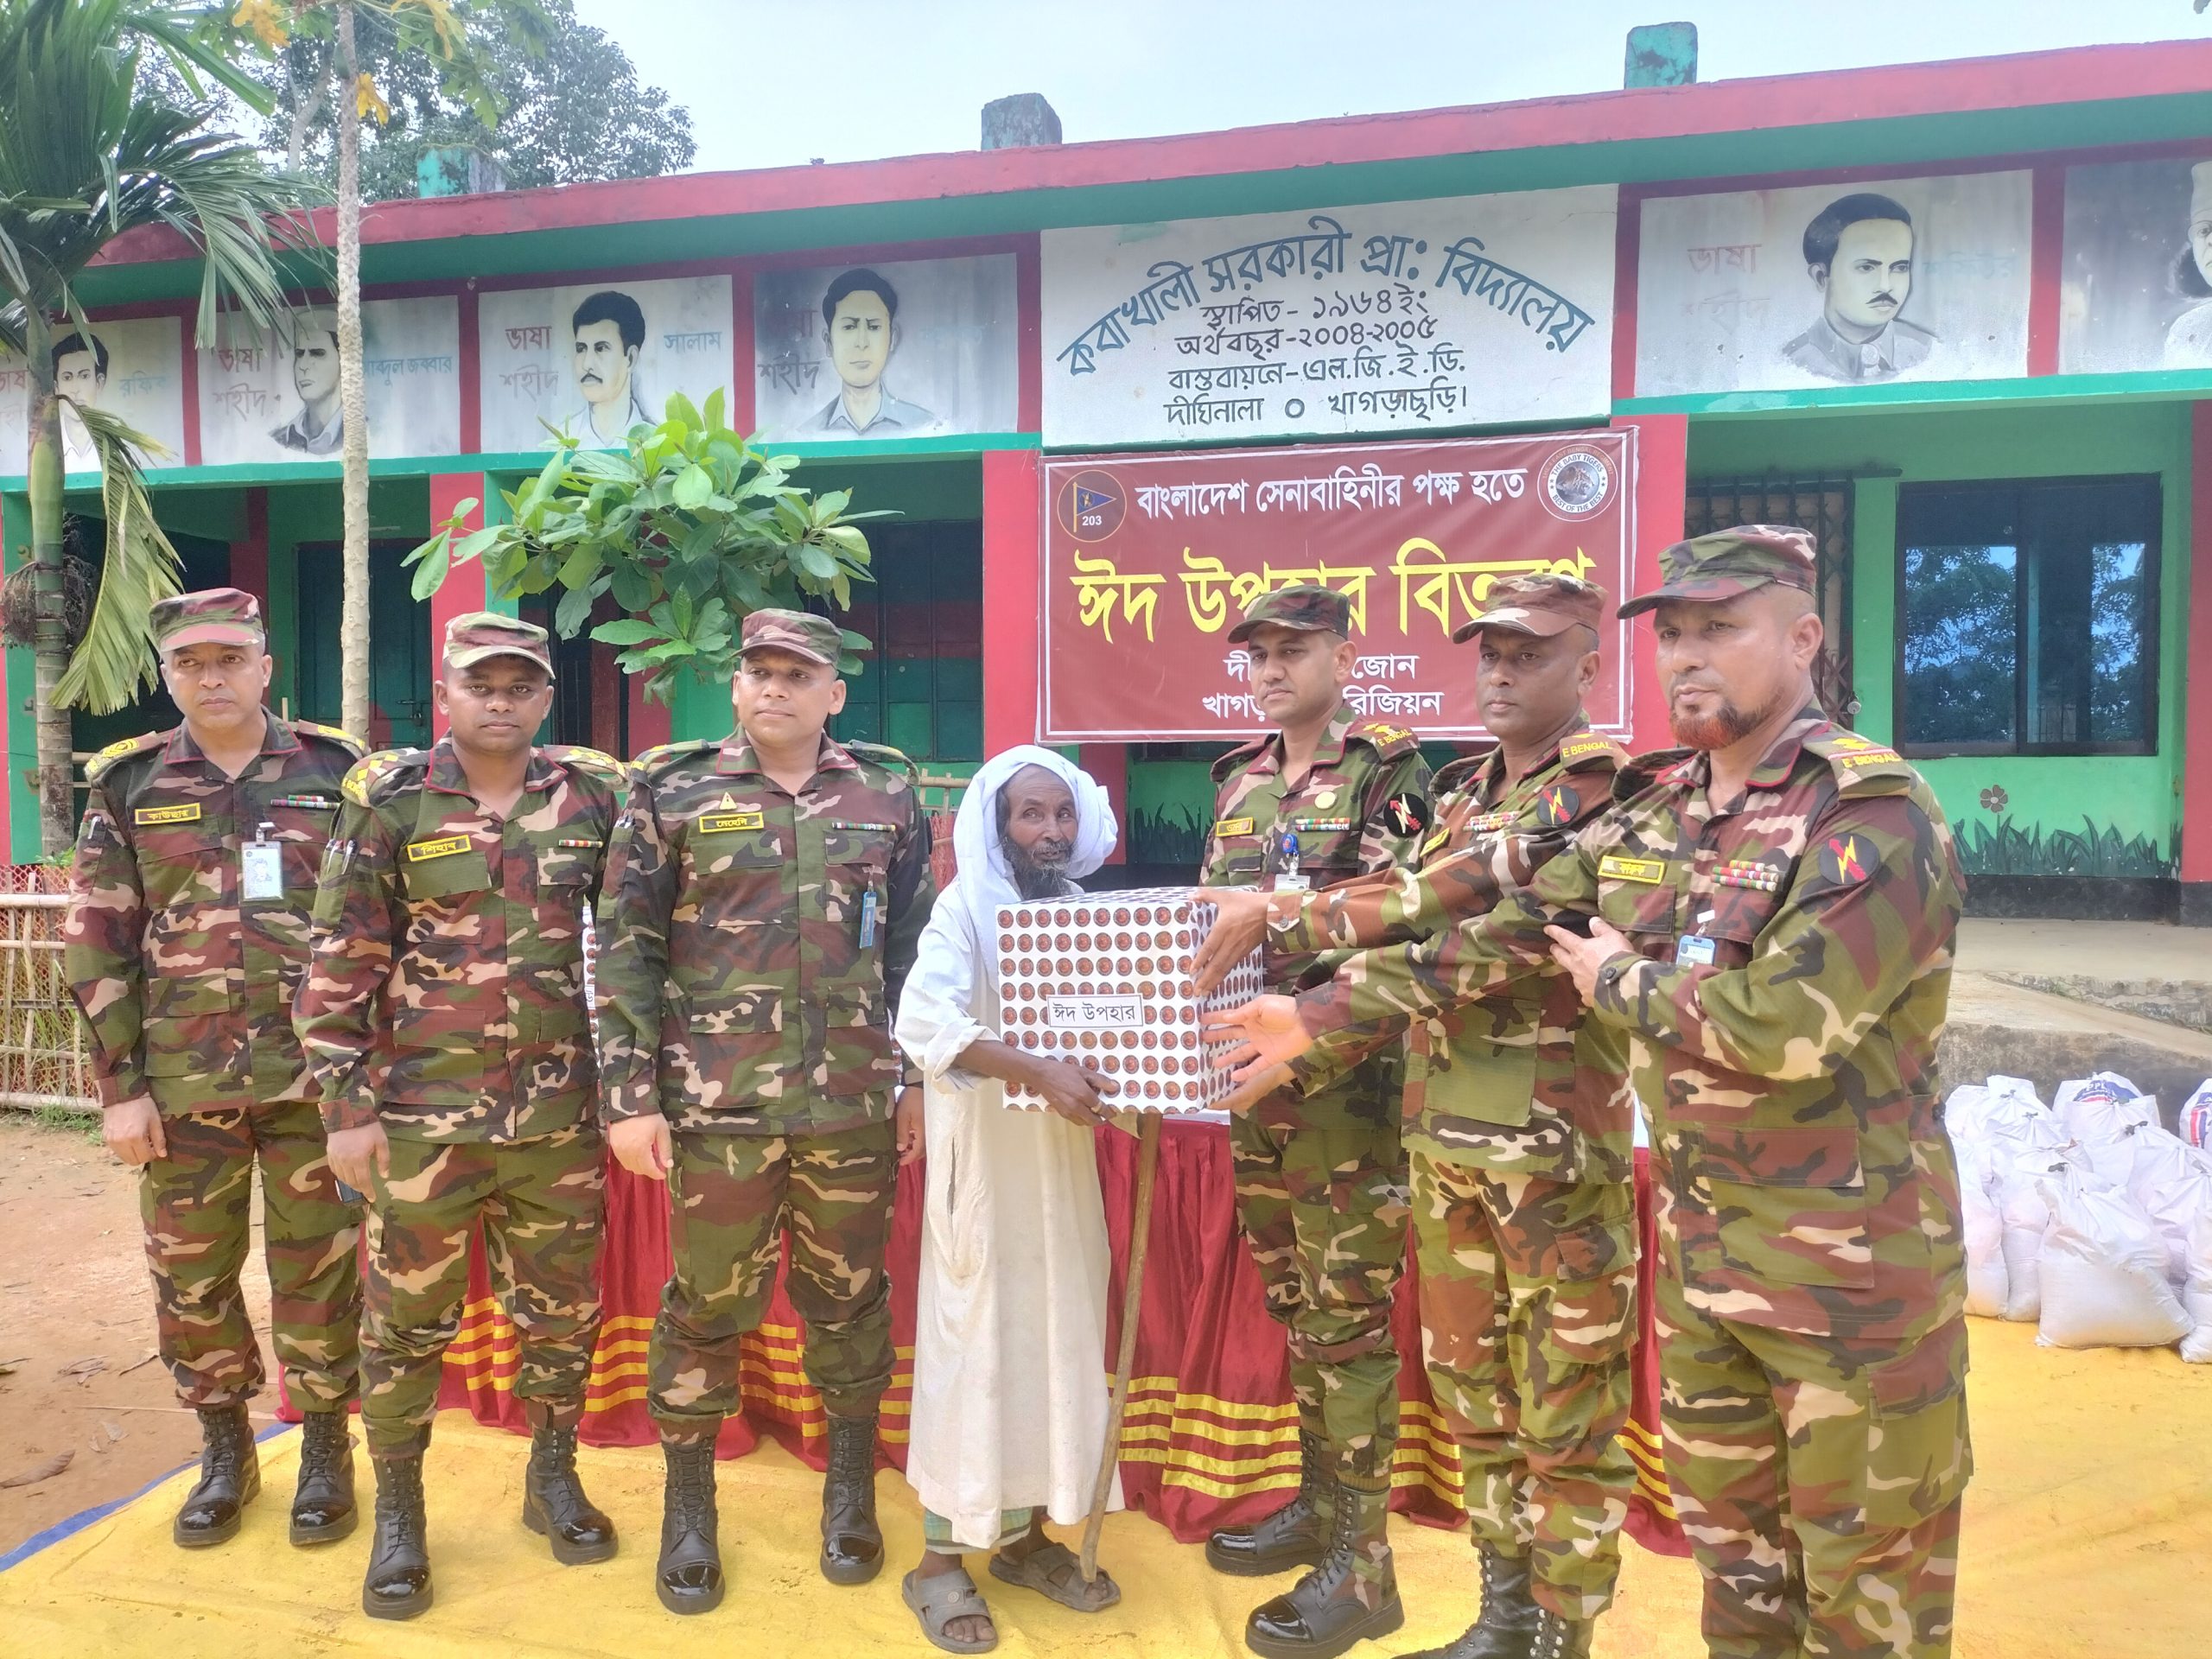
{"x":262,"y":872}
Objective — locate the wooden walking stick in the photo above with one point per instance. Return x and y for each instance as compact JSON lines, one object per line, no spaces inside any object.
{"x":1132,"y":1300}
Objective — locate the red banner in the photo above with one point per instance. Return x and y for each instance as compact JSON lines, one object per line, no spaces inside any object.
{"x":1149,"y":559}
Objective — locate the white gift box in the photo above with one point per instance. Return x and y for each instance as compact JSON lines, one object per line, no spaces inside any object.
{"x":1104,"y":980}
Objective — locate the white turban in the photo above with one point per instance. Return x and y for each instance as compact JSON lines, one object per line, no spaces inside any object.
{"x":985,"y":883}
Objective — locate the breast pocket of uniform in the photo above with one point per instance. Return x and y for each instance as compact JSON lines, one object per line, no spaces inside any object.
{"x":1639,"y":895}
{"x":303,"y":832}
{"x":440,"y":880}
{"x":1734,"y":914}
{"x":732,"y":874}
{"x":192,"y":929}
{"x":855,"y":863}
{"x":1785,"y":1205}
{"x":1240,"y":861}
{"x":1327,"y":854}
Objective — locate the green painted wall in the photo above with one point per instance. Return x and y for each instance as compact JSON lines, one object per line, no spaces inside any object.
{"x":2115,"y":815}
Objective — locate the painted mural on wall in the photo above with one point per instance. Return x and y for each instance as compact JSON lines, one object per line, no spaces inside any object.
{"x":1395,"y":317}
{"x":272,"y":394}
{"x":592,"y":360}
{"x":2136,"y":284}
{"x":1827,"y":285}
{"x":2033,"y":830}
{"x":908,"y":349}
{"x":133,"y":368}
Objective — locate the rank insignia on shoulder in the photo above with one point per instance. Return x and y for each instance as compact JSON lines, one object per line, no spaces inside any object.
{"x":1406,"y":813}
{"x":442,"y":847}
{"x":188,"y":813}
{"x":1613,"y":867}
{"x":1576,"y":748}
{"x":121,"y":746}
{"x":1226,"y":826}
{"x":1557,"y":805}
{"x":724,"y":824}
{"x":1871,"y":755}
{"x":1846,"y":859}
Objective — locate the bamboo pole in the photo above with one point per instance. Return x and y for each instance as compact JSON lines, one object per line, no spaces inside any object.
{"x":1131,"y":1299}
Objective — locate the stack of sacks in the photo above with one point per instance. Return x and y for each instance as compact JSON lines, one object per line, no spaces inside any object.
{"x":2123,"y":1261}
{"x":2004,"y":1141}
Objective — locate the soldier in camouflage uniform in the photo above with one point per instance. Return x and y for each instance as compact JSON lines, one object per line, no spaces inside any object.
{"x":186,"y":941}
{"x":1518,"y":1132}
{"x":1771,"y":913}
{"x":1320,"y":1181}
{"x":766,"y":898}
{"x":446,"y":1026}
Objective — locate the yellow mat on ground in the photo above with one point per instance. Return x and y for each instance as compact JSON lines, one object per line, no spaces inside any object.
{"x":2088,"y":1530}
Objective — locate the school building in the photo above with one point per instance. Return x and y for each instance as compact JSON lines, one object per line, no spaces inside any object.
{"x":1955,"y":319}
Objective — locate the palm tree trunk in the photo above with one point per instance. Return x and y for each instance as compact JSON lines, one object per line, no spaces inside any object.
{"x":353,"y":615}
{"x":57,"y":807}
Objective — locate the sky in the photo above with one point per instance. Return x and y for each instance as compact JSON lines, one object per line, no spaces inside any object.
{"x":782,"y":84}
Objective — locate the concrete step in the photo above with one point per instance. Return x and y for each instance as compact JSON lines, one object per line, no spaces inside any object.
{"x":2000,"y":1026}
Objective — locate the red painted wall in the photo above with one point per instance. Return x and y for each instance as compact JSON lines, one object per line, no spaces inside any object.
{"x":463,"y":590}
{"x":1013,"y":598}
{"x":1661,"y":459}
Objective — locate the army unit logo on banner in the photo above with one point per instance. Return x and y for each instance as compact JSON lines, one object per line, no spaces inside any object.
{"x":1577,"y":481}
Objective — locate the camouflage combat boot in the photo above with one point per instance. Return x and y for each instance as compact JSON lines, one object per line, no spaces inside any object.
{"x":1350,"y":1596}
{"x":688,"y":1577}
{"x":851,"y":1543}
{"x":1561,"y":1638}
{"x":1508,"y":1623}
{"x":322,"y":1505}
{"x":230,"y":1478}
{"x":553,"y":1501}
{"x":1297,"y":1534}
{"x":397,"y":1582}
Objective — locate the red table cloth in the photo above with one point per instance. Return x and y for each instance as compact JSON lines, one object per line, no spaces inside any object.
{"x":1210,"y":1436}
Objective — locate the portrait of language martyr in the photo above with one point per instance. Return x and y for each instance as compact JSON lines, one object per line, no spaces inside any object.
{"x":1858,"y":255}
{"x":317,"y":427}
{"x":607,"y":331}
{"x":861,"y":331}
{"x":2189,"y":338}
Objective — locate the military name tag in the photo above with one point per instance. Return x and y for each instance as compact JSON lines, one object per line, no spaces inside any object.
{"x":189,"y":814}
{"x":1225,"y":827}
{"x":443,"y":847}
{"x":723,"y":824}
{"x":1613,"y":867}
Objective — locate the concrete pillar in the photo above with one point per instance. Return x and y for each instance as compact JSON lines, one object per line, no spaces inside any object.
{"x":2197,"y":723}
{"x":1662,"y":486}
{"x":463,"y":590}
{"x":1013,"y":597}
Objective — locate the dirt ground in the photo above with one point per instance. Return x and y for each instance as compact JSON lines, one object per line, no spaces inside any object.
{"x":77,"y":1332}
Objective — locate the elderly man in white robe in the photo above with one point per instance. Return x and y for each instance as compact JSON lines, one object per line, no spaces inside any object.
{"x":1010,"y":1389}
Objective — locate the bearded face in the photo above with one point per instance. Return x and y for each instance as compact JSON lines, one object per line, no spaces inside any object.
{"x":1039,"y":869}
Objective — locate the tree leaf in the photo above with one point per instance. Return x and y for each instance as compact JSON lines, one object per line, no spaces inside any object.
{"x":627,"y":631}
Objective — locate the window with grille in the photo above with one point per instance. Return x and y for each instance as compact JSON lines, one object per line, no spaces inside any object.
{"x":2028,"y":617}
{"x":1822,"y":506}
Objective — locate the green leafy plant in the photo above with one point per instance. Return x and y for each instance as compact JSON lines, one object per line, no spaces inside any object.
{"x":2005,"y":848}
{"x":689,"y":527}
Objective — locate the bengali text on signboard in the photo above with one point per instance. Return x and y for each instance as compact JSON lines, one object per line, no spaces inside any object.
{"x":1150,"y":560}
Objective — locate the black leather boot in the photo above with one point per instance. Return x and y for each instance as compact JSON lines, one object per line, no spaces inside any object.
{"x":553,"y":1501}
{"x":852,"y":1544}
{"x":1508,"y":1623}
{"x":397,"y":1582}
{"x":322,"y":1505}
{"x":1297,"y":1534}
{"x":688,"y":1577}
{"x":1561,"y":1638}
{"x":1352,"y":1596}
{"x":230,"y":1478}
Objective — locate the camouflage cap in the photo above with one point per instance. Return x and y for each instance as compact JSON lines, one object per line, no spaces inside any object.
{"x":481,"y":635}
{"x":212,"y":616}
{"x":815,"y":638}
{"x":1543,"y":603}
{"x":1726,"y":562}
{"x":1303,"y":605}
